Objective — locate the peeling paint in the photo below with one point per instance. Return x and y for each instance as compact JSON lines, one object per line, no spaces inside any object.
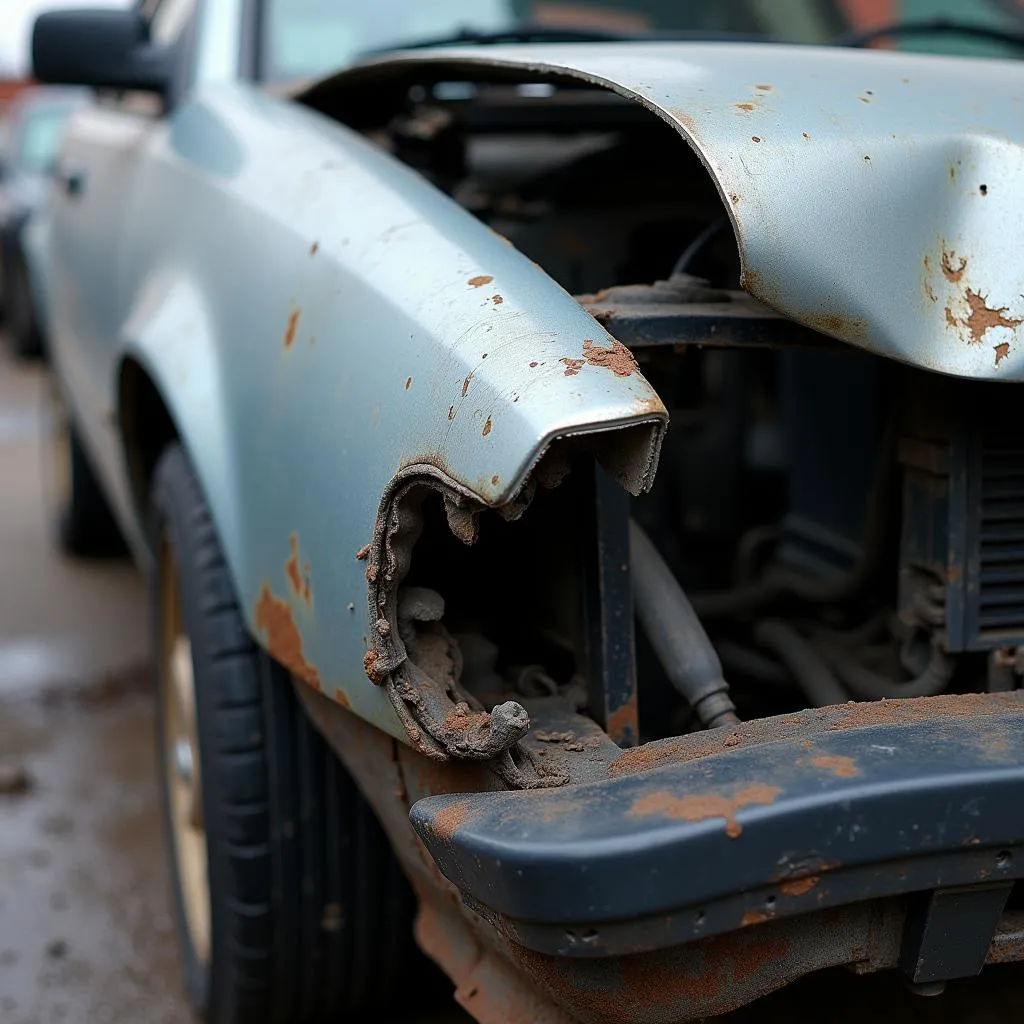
{"x":1002,"y":350}
{"x":572,"y":366}
{"x":984,"y":317}
{"x":616,"y":358}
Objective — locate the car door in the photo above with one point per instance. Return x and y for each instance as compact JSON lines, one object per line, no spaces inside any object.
{"x":104,"y":150}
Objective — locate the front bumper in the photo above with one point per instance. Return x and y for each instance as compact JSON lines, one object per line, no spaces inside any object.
{"x":712,"y":833}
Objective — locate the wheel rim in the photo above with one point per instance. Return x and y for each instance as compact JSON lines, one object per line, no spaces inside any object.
{"x":182,"y":768}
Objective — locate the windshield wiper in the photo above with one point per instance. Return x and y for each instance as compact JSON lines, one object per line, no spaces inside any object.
{"x":933,"y":26}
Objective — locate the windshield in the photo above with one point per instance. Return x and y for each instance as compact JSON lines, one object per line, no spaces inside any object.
{"x":311,"y":37}
{"x":38,"y":139}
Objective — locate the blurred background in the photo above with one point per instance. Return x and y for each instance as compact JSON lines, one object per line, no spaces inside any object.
{"x":85,"y":928}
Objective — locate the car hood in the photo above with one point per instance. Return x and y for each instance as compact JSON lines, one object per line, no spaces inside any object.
{"x":876,"y":197}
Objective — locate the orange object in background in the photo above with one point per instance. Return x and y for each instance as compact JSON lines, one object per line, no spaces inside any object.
{"x":9,"y":88}
{"x":868,"y":14}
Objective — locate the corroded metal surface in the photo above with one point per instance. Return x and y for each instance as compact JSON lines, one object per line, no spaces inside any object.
{"x":875,"y":197}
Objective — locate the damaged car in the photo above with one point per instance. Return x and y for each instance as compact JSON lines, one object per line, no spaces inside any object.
{"x":575,"y":453}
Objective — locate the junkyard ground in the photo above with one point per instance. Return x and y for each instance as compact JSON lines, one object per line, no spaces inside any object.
{"x":85,"y":930}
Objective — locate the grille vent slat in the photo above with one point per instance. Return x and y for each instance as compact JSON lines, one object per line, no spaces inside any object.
{"x":1000,"y":540}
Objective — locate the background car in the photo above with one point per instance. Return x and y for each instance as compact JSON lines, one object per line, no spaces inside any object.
{"x":35,"y":124}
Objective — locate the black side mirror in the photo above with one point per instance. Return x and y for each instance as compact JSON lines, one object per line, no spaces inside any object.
{"x":103,"y":48}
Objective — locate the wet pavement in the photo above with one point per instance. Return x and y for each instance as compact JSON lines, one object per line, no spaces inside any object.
{"x":85,"y":930}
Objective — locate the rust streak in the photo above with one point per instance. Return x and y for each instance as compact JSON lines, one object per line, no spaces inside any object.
{"x":953,"y":267}
{"x":363,"y":553}
{"x":480,"y":280}
{"x":487,"y":427}
{"x":292,"y":329}
{"x":844,"y":767}
{"x":701,"y":806}
{"x":342,"y":698}
{"x":296,"y":578}
{"x":274,"y":620}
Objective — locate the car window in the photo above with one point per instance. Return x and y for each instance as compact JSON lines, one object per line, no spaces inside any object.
{"x":306,"y":37}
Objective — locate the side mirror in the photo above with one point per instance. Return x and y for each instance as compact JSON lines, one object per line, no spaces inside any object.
{"x":102,"y":48}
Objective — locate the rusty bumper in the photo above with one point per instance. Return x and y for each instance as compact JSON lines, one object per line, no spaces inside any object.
{"x":915,"y":804}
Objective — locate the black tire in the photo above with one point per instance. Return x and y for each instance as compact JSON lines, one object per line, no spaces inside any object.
{"x":19,"y":311}
{"x":82,"y":521}
{"x":310,"y":915}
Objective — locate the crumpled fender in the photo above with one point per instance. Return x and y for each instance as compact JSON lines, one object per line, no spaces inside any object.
{"x":326,"y":323}
{"x":875,"y":197}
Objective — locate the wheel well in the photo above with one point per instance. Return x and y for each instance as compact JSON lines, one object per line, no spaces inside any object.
{"x":147,"y":428}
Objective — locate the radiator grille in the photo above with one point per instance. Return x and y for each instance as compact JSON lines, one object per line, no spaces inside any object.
{"x":998,"y":593}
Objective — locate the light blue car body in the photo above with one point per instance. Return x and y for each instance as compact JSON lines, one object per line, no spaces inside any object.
{"x":322,"y":323}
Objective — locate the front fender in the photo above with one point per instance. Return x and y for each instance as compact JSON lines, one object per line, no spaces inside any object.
{"x":326,"y":322}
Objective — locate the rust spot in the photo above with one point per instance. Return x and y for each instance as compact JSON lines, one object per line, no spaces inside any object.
{"x":733,"y":198}
{"x":755,"y":138}
{"x":807,"y":135}
{"x":616,"y":358}
{"x":494,"y":480}
{"x":983,"y":189}
{"x":451,"y":412}
{"x":573,"y":366}
{"x":487,"y":427}
{"x":745,"y":106}
{"x":930,"y":292}
{"x":953,"y":267}
{"x":363,"y":553}
{"x":480,"y":280}
{"x":341,"y":697}
{"x":370,"y":667}
{"x":371,"y":573}
{"x":1002,"y":350}
{"x":274,"y":620}
{"x":497,"y":300}
{"x":292,"y":329}
{"x":298,"y":580}
{"x":951,"y":319}
{"x":465,"y":385}
{"x":533,"y":364}
{"x":844,"y":767}
{"x":764,"y":88}
{"x":701,"y":806}
{"x":314,"y":248}
{"x":754,"y":917}
{"x":408,"y":383}
{"x":448,"y":820}
{"x":864,"y":99}
{"x":984,"y":317}
{"x":799,"y":886}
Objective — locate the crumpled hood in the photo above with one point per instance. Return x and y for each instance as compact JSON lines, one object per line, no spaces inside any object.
{"x":876,"y":197}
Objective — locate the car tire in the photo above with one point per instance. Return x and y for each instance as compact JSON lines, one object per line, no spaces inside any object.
{"x":19,"y":312}
{"x":83,"y":523}
{"x":290,"y":904}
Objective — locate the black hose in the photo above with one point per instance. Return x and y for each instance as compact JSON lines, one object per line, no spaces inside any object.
{"x":869,"y":685}
{"x":810,"y":671}
{"x":675,"y":633}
